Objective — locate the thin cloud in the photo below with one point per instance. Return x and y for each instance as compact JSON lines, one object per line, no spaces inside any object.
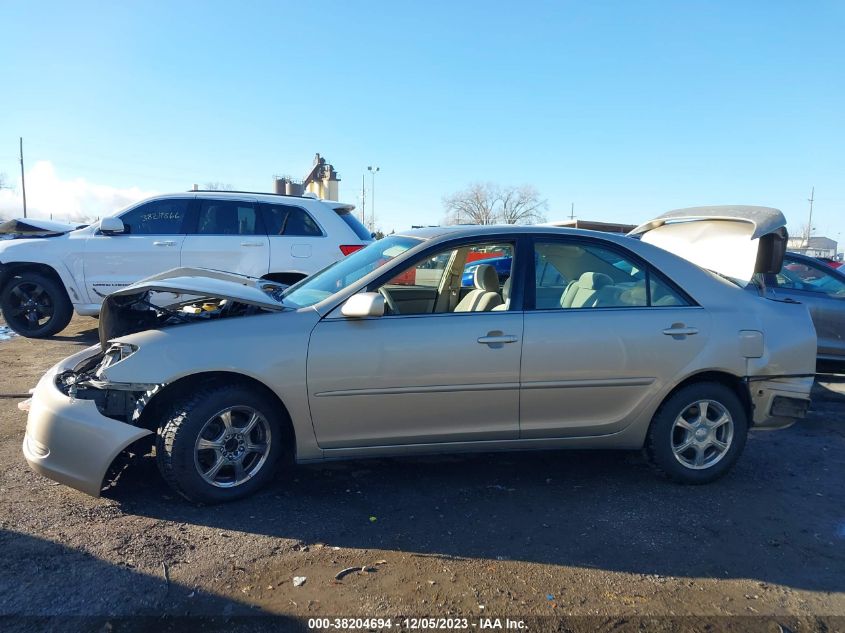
{"x":73,"y":200}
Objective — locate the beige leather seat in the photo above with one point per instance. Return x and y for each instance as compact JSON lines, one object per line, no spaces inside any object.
{"x":584,"y":293}
{"x":485,"y":296}
{"x":506,"y":295}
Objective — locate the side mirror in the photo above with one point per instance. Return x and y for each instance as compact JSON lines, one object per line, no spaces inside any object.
{"x":364,"y":304}
{"x":112,"y":226}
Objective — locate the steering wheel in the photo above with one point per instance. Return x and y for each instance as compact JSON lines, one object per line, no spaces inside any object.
{"x":388,"y":300}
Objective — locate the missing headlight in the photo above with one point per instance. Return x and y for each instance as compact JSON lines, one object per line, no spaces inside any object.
{"x":114,"y":354}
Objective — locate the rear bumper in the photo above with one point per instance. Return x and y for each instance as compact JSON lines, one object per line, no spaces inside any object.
{"x":779,"y":402}
{"x":70,"y":441}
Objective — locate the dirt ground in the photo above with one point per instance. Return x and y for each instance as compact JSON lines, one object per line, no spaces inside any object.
{"x":593,"y":536}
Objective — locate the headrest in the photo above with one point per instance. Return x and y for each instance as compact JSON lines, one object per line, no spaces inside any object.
{"x":506,"y":289}
{"x":635,"y":296}
{"x":594,"y":281}
{"x":485,"y":278}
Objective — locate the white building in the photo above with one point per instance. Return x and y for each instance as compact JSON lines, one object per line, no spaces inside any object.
{"x":818,"y":246}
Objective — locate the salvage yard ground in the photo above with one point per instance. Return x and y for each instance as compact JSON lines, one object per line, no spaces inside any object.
{"x":584,"y":533}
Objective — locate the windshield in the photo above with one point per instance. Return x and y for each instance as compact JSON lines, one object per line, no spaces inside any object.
{"x":346,"y":272}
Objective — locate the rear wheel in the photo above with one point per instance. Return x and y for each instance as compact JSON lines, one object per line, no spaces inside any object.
{"x":35,"y":305}
{"x":698,"y":433}
{"x":220,"y":444}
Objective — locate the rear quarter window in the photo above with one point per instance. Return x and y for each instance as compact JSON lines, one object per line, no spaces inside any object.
{"x":354,"y":223}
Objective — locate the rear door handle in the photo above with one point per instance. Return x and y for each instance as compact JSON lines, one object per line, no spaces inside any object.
{"x":496,"y":339}
{"x":679,"y":330}
{"x":165,"y":243}
{"x":252,"y":243}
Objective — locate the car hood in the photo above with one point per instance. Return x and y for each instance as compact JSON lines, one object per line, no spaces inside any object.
{"x":184,"y":295}
{"x":205,"y":282}
{"x":734,"y":241}
{"x":21,"y":228}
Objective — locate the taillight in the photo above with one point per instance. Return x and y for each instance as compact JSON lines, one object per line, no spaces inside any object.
{"x":348,"y":249}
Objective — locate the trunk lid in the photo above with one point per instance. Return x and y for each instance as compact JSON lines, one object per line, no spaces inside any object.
{"x":734,"y":241}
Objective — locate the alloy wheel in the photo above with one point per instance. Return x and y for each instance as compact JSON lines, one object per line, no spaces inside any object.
{"x":30,"y":306}
{"x":702,"y":434}
{"x":232,"y":446}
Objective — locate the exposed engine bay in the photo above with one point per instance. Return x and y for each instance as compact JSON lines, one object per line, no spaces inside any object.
{"x":126,"y":314}
{"x":129,"y":313}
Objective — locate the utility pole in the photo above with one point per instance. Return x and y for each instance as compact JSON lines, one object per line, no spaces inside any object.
{"x":810,"y":221}
{"x":572,"y":211}
{"x":23,"y":181}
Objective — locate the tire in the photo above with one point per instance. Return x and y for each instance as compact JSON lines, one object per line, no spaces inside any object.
{"x":191,"y":418}
{"x":703,"y":460}
{"x":35,"y":305}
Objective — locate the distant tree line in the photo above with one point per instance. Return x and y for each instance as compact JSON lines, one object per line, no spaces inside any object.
{"x":490,"y":203}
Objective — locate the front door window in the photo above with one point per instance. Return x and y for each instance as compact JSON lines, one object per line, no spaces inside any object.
{"x":470,"y":278}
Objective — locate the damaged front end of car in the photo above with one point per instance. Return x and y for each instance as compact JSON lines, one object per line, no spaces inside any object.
{"x":120,"y":401}
{"x":85,"y":415}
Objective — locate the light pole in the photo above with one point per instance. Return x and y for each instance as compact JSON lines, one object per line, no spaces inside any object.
{"x":373,"y":171}
{"x":363,"y":199}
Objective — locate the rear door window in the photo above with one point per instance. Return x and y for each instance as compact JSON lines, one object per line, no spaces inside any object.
{"x":572,"y":275}
{"x":283,"y":219}
{"x":228,"y":217}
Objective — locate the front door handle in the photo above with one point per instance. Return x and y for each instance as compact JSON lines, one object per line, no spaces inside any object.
{"x":496,"y":339}
{"x":252,"y":243}
{"x":164,"y":243}
{"x":679,"y":331}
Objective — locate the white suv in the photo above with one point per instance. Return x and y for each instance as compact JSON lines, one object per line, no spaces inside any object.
{"x":283,"y":238}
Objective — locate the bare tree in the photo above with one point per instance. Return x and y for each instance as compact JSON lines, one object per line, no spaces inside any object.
{"x":3,"y":181}
{"x":473,"y":205}
{"x":489,"y":203}
{"x":218,"y":186}
{"x":521,"y":205}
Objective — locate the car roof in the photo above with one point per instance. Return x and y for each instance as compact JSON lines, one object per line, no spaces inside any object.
{"x":250,"y":195}
{"x":439,"y":233}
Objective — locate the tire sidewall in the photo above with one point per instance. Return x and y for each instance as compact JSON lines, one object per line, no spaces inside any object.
{"x":185,"y":421}
{"x":659,"y":445}
{"x":62,"y":308}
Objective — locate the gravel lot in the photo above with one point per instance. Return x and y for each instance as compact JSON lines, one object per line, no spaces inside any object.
{"x":576,"y":534}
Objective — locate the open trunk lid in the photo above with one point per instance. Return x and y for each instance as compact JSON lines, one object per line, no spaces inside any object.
{"x":734,"y":241}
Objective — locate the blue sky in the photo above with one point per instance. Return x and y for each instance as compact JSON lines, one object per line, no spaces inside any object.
{"x":626,"y":109}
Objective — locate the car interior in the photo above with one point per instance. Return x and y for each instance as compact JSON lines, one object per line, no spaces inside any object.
{"x":456,"y":280}
{"x":567,"y":276}
{"x":579,"y":276}
{"x":226,"y":218}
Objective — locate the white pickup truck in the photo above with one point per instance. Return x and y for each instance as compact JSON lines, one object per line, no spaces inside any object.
{"x":44,"y":278}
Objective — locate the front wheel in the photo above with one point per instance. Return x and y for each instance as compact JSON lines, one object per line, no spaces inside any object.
{"x":698,"y":433}
{"x":219,"y":444}
{"x":35,"y":305}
